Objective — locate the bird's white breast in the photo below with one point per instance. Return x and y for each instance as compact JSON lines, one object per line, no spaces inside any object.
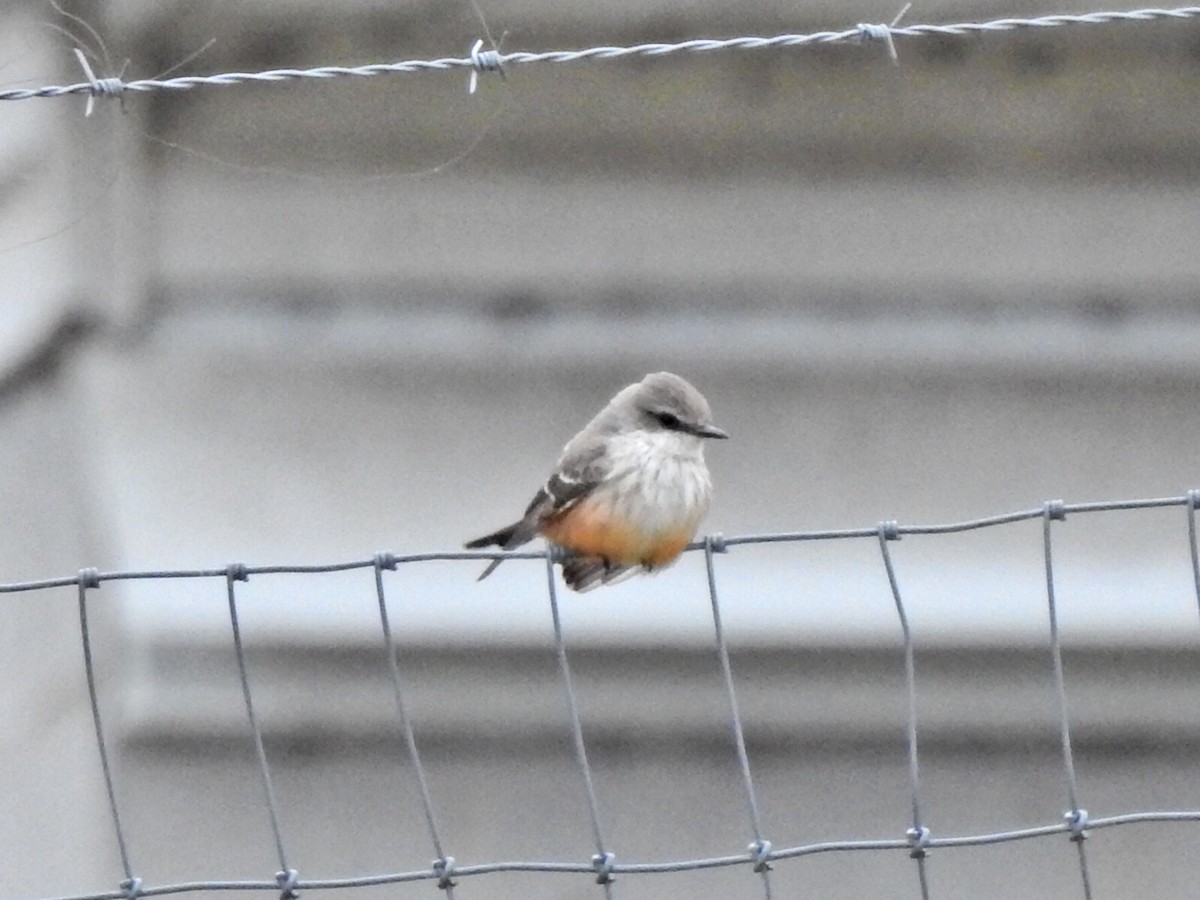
{"x":658,"y":479}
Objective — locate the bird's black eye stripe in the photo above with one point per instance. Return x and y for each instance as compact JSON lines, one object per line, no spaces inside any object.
{"x":667,"y":420}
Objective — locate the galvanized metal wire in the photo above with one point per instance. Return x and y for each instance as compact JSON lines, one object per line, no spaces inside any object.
{"x":286,"y":877}
{"x":918,"y":840}
{"x":761,"y":847}
{"x":443,"y":863}
{"x":918,"y":834}
{"x":480,"y":61}
{"x":1076,"y":818}
{"x":87,"y":579}
{"x":604,"y":861}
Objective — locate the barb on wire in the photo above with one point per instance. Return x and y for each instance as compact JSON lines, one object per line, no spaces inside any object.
{"x":97,"y":87}
{"x":483,"y":61}
{"x":479,"y":60}
{"x":884,"y":33}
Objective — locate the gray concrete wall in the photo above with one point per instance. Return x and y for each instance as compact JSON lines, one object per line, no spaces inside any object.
{"x":52,"y":816}
{"x":53,"y":831}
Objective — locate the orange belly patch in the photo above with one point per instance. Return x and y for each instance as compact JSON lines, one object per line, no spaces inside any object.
{"x":592,"y":530}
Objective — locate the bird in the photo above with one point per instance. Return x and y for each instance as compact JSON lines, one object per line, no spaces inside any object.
{"x":629,"y":490}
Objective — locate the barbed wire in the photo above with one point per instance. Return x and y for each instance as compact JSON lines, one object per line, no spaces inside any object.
{"x":918,"y":840}
{"x":481,"y":60}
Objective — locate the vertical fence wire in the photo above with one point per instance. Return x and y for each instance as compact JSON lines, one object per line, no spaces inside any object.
{"x":918,"y":834}
{"x":1076,"y":817}
{"x":286,"y":877}
{"x":761,"y":848}
{"x":603,"y":860}
{"x":89,"y":578}
{"x":1193,"y":500}
{"x":443,"y":863}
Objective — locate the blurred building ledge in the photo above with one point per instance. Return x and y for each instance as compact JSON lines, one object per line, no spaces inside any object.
{"x":187,"y":695}
{"x":917,"y":349}
{"x":985,"y":249}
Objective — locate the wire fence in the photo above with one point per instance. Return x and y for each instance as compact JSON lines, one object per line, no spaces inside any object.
{"x":481,"y":60}
{"x":604,"y":866}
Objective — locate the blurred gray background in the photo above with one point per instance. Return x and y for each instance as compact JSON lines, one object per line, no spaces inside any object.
{"x":302,"y":323}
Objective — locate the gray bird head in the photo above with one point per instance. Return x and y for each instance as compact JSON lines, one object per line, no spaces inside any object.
{"x":665,"y":402}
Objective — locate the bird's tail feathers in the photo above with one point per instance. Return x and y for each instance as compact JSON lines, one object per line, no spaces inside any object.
{"x":505,"y":538}
{"x":498,"y":538}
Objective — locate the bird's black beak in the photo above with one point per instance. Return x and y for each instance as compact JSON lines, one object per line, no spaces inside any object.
{"x":711,"y":431}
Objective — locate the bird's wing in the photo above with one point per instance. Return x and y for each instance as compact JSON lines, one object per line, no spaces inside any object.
{"x":581,"y":468}
{"x":580,"y":471}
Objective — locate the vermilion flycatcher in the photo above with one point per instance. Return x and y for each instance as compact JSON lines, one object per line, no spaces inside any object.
{"x":630,"y":489}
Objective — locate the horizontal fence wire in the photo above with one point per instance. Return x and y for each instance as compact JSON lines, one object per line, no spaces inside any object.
{"x":604,"y":866}
{"x":481,"y":60}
